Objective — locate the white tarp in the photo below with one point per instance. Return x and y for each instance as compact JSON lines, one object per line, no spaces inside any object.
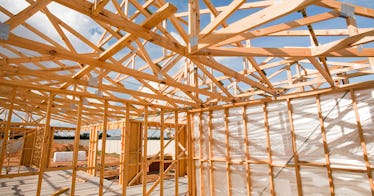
{"x":342,"y":136}
{"x":68,"y":156}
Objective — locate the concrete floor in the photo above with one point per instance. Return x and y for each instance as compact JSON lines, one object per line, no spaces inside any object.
{"x":86,"y":185}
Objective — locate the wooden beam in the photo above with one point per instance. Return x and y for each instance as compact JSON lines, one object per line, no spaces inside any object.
{"x":271,"y":30}
{"x":294,"y":149}
{"x":193,"y":24}
{"x":145,"y":152}
{"x":127,"y":151}
{"x":234,"y":5}
{"x":46,"y":138}
{"x":7,"y":129}
{"x":98,"y":6}
{"x":108,"y":17}
{"x":325,"y":147}
{"x":103,"y":148}
{"x":76,"y":146}
{"x":283,"y":52}
{"x":160,"y":15}
{"x":322,"y":71}
{"x":229,"y":72}
{"x":268,"y":150}
{"x":336,"y":5}
{"x":362,"y":141}
{"x":339,"y":44}
{"x":42,"y":48}
{"x":19,"y":18}
{"x":228,"y":157}
{"x":246,"y":151}
{"x":258,"y":18}
{"x":162,"y":151}
{"x":176,"y":152}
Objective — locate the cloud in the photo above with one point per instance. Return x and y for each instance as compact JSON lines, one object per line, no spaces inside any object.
{"x":178,"y":38}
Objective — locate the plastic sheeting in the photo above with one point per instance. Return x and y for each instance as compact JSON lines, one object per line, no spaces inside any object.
{"x":341,"y":130}
{"x":307,"y":130}
{"x":365,"y":105}
{"x":342,"y":139}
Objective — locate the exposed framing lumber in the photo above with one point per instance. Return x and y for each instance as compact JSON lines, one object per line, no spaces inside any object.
{"x":260,"y":17}
{"x":176,"y":152}
{"x":145,"y":153}
{"x":154,"y":61}
{"x":325,"y":147}
{"x":294,"y":149}
{"x":362,"y":141}
{"x":7,"y":129}
{"x":46,"y":138}
{"x":268,"y":151}
{"x":246,"y":151}
{"x":210,"y":149}
{"x":76,"y":146}
{"x":228,"y":157}
{"x":103,"y":148}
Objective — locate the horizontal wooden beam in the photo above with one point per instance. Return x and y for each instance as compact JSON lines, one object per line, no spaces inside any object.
{"x":254,"y":20}
{"x":108,"y":17}
{"x":83,"y":59}
{"x":160,"y":15}
{"x":284,"y":52}
{"x":280,"y":27}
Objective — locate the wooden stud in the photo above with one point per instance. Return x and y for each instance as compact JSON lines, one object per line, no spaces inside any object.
{"x":76,"y":147}
{"x":46,"y":139}
{"x":246,"y":151}
{"x":95,"y":150}
{"x":145,"y":154}
{"x":122,"y":155}
{"x":193,"y":24}
{"x":294,"y":149}
{"x":127,"y":151}
{"x":210,"y":149}
{"x":362,"y":141}
{"x":228,"y":158}
{"x":161,"y":171}
{"x":176,"y":152}
{"x":325,"y":147}
{"x":201,"y":143}
{"x":7,"y":129}
{"x":190,"y":161}
{"x":103,"y":148}
{"x":268,"y":150}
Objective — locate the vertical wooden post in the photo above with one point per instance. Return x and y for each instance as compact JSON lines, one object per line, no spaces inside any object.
{"x":362,"y":141}
{"x":176,"y":151}
{"x":294,"y":150}
{"x":162,"y":153}
{"x":228,"y":158}
{"x":90,"y":150}
{"x":246,"y":151}
{"x":325,"y":147}
{"x":201,"y":161}
{"x":210,"y":149}
{"x":96,"y":148}
{"x":76,"y":147}
{"x":6,"y":130}
{"x":122,"y":155}
{"x":46,"y":139}
{"x":103,"y":146}
{"x":145,"y":152}
{"x":193,"y":24}
{"x":127,"y":150}
{"x":190,"y":161}
{"x":22,"y":151}
{"x":268,"y":149}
